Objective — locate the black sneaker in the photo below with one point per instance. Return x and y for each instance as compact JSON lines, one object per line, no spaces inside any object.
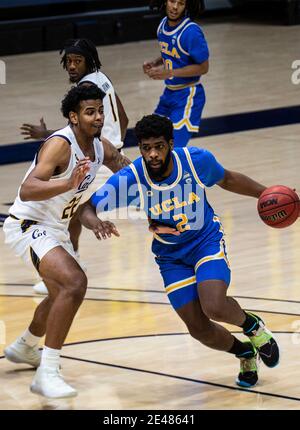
{"x":248,"y":375}
{"x":262,"y":339}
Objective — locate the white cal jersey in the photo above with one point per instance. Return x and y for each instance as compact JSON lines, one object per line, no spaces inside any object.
{"x":111,"y":129}
{"x":57,"y":211}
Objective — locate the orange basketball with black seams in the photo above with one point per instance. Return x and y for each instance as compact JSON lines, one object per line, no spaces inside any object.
{"x":278,"y":206}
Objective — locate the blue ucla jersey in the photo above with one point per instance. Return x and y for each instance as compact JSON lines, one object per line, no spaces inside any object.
{"x":181,"y":46}
{"x":179,"y":201}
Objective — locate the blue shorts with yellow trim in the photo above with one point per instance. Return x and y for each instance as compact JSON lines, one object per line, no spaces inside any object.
{"x":190,"y":264}
{"x":184,"y":108}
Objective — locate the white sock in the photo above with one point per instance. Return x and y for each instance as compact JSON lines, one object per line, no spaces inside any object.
{"x":29,"y":339}
{"x":50,"y":357}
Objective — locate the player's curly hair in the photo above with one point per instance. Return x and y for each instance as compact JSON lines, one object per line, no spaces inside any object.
{"x":154,"y":126}
{"x":83,"y":47}
{"x":194,"y":8}
{"x":73,"y":98}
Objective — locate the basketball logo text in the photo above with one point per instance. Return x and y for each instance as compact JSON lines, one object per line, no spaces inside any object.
{"x":268,"y":203}
{"x":37,"y":233}
{"x":279,"y":215}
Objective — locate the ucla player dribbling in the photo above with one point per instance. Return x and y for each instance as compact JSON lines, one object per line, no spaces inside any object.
{"x":184,"y":58}
{"x":188,"y":243}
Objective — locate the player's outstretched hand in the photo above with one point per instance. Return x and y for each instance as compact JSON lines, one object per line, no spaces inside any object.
{"x":147,"y":66}
{"x":104,"y":229}
{"x":79,"y":172}
{"x":34,"y":131}
{"x":162,"y":229}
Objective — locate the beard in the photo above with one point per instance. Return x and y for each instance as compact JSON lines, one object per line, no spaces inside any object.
{"x":158,"y":174}
{"x":97,"y":135}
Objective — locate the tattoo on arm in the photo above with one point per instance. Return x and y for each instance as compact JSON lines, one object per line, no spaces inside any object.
{"x":117,"y":160}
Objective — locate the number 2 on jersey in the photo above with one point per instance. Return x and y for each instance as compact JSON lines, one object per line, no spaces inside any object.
{"x":183,"y":224}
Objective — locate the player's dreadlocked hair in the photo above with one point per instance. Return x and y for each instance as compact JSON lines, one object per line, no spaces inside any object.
{"x":83,"y":47}
{"x":194,"y":8}
{"x":154,"y":126}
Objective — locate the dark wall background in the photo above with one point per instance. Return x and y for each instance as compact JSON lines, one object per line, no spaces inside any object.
{"x":41,"y":25}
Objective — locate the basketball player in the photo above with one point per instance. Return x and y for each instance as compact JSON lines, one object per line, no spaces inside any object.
{"x":37,"y":227}
{"x":80,"y":59}
{"x":188,"y":240}
{"x":183,"y":60}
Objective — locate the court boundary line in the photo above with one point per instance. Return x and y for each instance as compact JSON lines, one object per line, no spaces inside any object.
{"x":151,"y":372}
{"x":144,"y":303}
{"x":154,"y":291}
{"x":107,"y":339}
{"x":182,"y":378}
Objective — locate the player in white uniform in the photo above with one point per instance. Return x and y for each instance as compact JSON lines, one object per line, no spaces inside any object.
{"x":80,"y":59}
{"x":37,"y":227}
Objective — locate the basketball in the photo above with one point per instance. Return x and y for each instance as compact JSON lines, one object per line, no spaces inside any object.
{"x":278,"y":206}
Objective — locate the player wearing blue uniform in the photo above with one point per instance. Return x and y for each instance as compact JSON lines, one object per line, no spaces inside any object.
{"x":169,"y":185}
{"x":184,"y":58}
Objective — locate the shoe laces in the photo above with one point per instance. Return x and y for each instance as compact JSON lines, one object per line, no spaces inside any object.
{"x":32,"y":351}
{"x":56,"y":376}
{"x":261,"y":336}
{"x":248,"y":364}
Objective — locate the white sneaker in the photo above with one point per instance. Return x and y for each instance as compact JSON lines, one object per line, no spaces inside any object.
{"x":49,"y":383}
{"x":19,"y":352}
{"x":40,"y":288}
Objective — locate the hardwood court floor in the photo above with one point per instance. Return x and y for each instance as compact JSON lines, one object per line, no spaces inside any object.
{"x":127,"y":348}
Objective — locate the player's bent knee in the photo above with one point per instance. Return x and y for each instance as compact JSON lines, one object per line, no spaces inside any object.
{"x":213,"y":312}
{"x":76,"y":285}
{"x":199,"y":332}
{"x":80,"y":282}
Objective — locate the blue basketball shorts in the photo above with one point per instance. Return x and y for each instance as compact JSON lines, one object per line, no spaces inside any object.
{"x":189,"y":265}
{"x":184,"y":108}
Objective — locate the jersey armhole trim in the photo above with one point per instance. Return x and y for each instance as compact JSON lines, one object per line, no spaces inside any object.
{"x":189,"y":160}
{"x":59,"y":135}
{"x":179,"y":37}
{"x":160,"y":25}
{"x":37,"y":154}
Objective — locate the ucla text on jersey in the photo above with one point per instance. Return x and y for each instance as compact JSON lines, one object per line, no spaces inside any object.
{"x":181,"y":46}
{"x":179,"y":201}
